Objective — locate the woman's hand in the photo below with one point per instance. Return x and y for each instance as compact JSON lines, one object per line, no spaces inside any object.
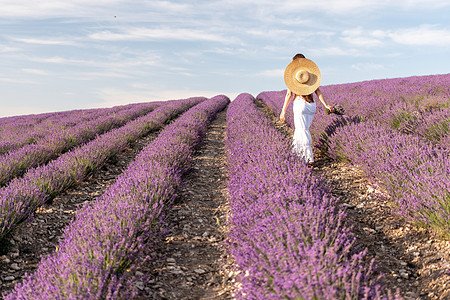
{"x":282,"y":117}
{"x":330,"y":108}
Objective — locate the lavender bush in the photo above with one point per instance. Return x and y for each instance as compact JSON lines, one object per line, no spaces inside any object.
{"x":47,"y":181}
{"x":100,"y":248}
{"x":286,"y":232}
{"x":408,"y":104}
{"x":15,"y":163}
{"x":415,"y":173}
{"x":28,"y":129}
{"x":434,"y":126}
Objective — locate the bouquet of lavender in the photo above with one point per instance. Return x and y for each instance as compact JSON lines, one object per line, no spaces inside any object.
{"x":336,"y":109}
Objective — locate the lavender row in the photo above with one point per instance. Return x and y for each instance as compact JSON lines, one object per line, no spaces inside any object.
{"x":15,"y":163}
{"x":99,"y":249}
{"x":30,"y":128}
{"x":416,"y":174}
{"x":23,"y":195}
{"x":18,"y":134}
{"x":24,"y":121}
{"x":417,"y":105}
{"x":382,"y":100}
{"x":287,"y":235}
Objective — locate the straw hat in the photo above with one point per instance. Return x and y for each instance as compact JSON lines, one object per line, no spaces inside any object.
{"x":302,"y":76}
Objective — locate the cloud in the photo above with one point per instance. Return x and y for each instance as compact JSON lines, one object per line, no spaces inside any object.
{"x":35,"y":71}
{"x":272,"y":73}
{"x":45,"y":41}
{"x":336,"y":51}
{"x":82,"y":9}
{"x":53,"y":8}
{"x":271,"y":33}
{"x":362,"y":38}
{"x":150,"y":34}
{"x":140,"y":10}
{"x":88,"y":76}
{"x":435,"y":4}
{"x":331,"y":6}
{"x":55,"y":60}
{"x":5,"y":49}
{"x":424,"y":35}
{"x":367,"y":67}
{"x":17,"y":81}
{"x":354,"y":6}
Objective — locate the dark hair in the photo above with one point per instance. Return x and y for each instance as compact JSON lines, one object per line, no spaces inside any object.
{"x":298,"y":55}
{"x":308,"y":98}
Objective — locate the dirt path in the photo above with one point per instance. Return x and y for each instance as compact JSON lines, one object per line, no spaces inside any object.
{"x":193,"y":263}
{"x":413,"y":262}
{"x":22,"y":250}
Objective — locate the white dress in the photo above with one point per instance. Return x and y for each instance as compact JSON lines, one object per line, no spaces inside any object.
{"x":303,"y":117}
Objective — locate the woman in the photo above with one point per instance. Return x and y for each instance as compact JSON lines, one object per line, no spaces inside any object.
{"x":303,"y":79}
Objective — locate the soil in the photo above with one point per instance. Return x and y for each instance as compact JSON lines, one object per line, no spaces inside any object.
{"x":193,"y":263}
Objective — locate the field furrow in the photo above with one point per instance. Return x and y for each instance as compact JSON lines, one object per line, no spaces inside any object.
{"x":38,"y":237}
{"x":97,"y":255}
{"x":23,"y":195}
{"x":193,"y":262}
{"x":25,"y":130}
{"x":16,"y":162}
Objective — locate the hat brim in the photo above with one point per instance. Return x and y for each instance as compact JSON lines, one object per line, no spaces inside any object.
{"x":294,"y":85}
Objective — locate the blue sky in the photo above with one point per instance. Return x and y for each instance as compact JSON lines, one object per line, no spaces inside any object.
{"x":63,"y":55}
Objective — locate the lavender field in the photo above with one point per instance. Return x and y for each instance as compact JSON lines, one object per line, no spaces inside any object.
{"x":371,"y":220}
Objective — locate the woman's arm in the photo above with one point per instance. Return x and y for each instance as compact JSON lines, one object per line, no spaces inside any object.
{"x":287,"y":100}
{"x":320,"y":95}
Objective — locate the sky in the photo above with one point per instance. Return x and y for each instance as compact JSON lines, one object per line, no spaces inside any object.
{"x":79,"y":54}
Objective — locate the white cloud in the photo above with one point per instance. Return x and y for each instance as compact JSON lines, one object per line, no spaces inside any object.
{"x":272,"y":73}
{"x":55,"y":60}
{"x":425,"y":35}
{"x":149,"y":34}
{"x":142,"y":9}
{"x":336,"y":51}
{"x":87,"y":76}
{"x":354,"y":6}
{"x":104,"y":10}
{"x":45,"y":41}
{"x":35,"y":71}
{"x":435,"y":4}
{"x":332,"y":6}
{"x":367,"y":67}
{"x":53,"y":8}
{"x":362,"y":38}
{"x":16,"y":80}
{"x":271,"y":33}
{"x":5,"y":49}
{"x":361,"y":41}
